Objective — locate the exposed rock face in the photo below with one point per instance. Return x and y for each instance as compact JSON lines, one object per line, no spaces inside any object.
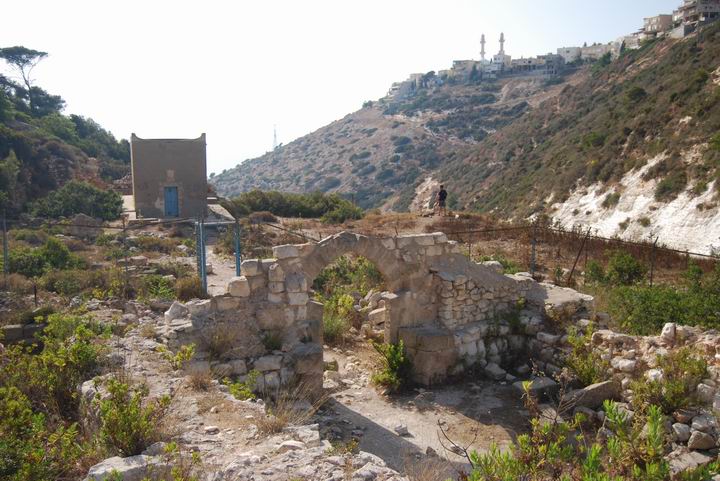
{"x":593,"y":396}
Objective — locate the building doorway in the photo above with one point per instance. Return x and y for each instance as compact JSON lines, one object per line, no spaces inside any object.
{"x":172,"y":209}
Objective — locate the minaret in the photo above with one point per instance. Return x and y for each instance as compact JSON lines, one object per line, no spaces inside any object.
{"x":482,"y":47}
{"x":502,"y":44}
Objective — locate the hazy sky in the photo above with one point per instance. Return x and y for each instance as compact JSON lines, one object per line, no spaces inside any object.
{"x":233,"y":69}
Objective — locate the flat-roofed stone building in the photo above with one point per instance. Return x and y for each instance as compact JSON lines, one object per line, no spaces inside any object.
{"x":169,"y":177}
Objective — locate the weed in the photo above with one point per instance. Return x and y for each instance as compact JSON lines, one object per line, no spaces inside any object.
{"x":188,"y":288}
{"x":272,"y":340}
{"x":584,"y":361}
{"x":288,"y":409}
{"x":130,"y":423}
{"x":180,"y":358}
{"x":243,"y":390}
{"x":396,"y":367}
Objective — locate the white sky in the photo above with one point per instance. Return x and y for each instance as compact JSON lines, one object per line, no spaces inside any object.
{"x":233,"y":69}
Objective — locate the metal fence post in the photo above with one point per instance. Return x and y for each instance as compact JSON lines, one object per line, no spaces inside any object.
{"x":652,"y":260}
{"x":582,"y":246}
{"x":6,"y":267}
{"x":237,"y":248}
{"x":533,"y":244}
{"x":203,"y":259}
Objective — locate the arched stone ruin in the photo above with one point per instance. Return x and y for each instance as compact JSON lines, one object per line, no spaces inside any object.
{"x":449,"y":311}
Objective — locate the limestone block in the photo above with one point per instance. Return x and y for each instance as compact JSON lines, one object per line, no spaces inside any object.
{"x":268,"y":363}
{"x":592,"y":396}
{"x":481,"y":352}
{"x":314,"y":310}
{"x":228,"y":303}
{"x":494,"y":265}
{"x":199,"y":308}
{"x":623,"y":365}
{"x":377,"y":316}
{"x":705,"y":393}
{"x":177,"y":310}
{"x":668,"y":332}
{"x":276,"y":273}
{"x":12,"y":333}
{"x":251,"y":267}
{"x":285,"y":251}
{"x":238,"y":287}
{"x":547,"y":338}
{"x":297,"y":298}
{"x":388,"y":243}
{"x":276,"y":298}
{"x":418,"y":239}
{"x":131,"y":468}
{"x":493,"y":371}
{"x":139,"y":261}
{"x":301,"y":313}
{"x":296,"y":283}
{"x":440,"y":238}
{"x":432,"y":367}
{"x":704,"y":423}
{"x":434,"y":251}
{"x":276,"y":287}
{"x":453,"y":247}
{"x":257,"y":282}
{"x":272,"y":380}
{"x":541,"y":387}
{"x":238,"y":367}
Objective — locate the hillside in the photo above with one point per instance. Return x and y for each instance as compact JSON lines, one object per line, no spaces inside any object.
{"x":41,"y":149}
{"x":379,"y":154}
{"x":630,"y":147}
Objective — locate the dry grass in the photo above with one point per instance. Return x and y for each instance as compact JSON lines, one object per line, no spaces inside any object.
{"x":292,"y":406}
{"x":147,"y":331}
{"x":221,"y":338}
{"x":200,"y":379}
{"x":430,"y":468}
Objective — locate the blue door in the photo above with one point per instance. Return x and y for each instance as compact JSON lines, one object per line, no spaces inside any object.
{"x":172,"y":208}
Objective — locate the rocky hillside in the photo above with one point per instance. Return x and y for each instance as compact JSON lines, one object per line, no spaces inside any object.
{"x":631,"y":148}
{"x":381,"y":153}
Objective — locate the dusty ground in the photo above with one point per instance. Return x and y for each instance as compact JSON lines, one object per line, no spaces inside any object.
{"x":474,"y":414}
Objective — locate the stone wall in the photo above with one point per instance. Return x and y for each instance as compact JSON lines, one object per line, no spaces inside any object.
{"x":449,"y":312}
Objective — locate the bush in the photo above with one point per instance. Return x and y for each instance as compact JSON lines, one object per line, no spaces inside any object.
{"x":189,"y":288}
{"x":179,"y":359}
{"x":337,"y":313}
{"x":342,"y":213}
{"x":243,"y":390}
{"x":29,"y":447}
{"x":623,"y":269}
{"x":128,"y":422}
{"x":396,"y":367}
{"x":77,"y":197}
{"x":157,"y":287}
{"x":669,"y":188}
{"x":284,"y":204}
{"x":72,"y":282}
{"x":584,"y":362}
{"x":32,"y":262}
{"x":594,"y":273}
{"x":682,"y":370}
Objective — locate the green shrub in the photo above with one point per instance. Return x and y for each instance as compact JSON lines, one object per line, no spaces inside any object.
{"x":243,"y":390}
{"x":635,"y":94}
{"x":715,"y":142}
{"x":682,"y":370}
{"x":129,"y":423}
{"x":337,"y":314}
{"x":644,"y":310}
{"x":69,"y":283}
{"x":30,"y":448}
{"x":272,"y":340}
{"x":669,"y":188}
{"x":349,"y":273}
{"x":314,"y":205}
{"x":611,"y":200}
{"x":594,"y":273}
{"x":178,"y":359}
{"x":157,"y":287}
{"x":188,"y":288}
{"x":77,"y":197}
{"x":623,"y":269}
{"x":584,"y":362}
{"x":32,"y":262}
{"x":396,"y":370}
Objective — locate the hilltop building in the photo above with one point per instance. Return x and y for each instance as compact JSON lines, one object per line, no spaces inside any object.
{"x":169,"y":177}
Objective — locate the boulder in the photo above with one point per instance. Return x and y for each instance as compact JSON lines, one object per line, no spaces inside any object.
{"x":681,"y":432}
{"x":668,"y":333}
{"x":701,"y":441}
{"x":682,"y":460}
{"x":268,"y":363}
{"x":540,"y":387}
{"x":623,"y":365}
{"x":132,"y":468}
{"x":177,"y":310}
{"x":495,"y":372}
{"x":593,"y":395}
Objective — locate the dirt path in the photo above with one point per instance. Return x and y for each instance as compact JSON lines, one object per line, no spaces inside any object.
{"x":475,"y":414}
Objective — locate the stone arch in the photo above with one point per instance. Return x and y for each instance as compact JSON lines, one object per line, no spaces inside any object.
{"x":441,"y":303}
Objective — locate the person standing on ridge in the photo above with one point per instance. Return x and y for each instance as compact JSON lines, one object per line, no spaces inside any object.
{"x":442,"y":201}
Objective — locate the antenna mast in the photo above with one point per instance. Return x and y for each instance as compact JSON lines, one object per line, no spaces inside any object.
{"x":275,"y":143}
